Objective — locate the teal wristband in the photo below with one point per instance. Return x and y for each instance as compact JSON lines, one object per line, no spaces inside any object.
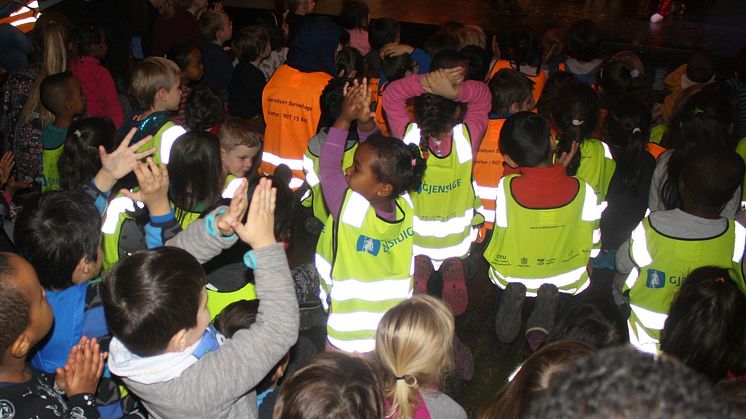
{"x":212,"y":229}
{"x":249,"y":260}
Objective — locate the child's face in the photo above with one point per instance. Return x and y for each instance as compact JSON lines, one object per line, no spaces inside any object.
{"x":40,"y":312}
{"x":238,"y":160}
{"x":173,"y":96}
{"x":194,"y":69}
{"x":99,"y":50}
{"x":77,"y":100}
{"x":194,"y":334}
{"x":360,"y":175}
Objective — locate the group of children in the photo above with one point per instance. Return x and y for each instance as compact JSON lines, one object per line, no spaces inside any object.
{"x":146,"y":237}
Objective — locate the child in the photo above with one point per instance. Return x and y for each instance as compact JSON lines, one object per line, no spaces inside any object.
{"x":80,"y":159}
{"x":194,"y":181}
{"x":364,"y":255}
{"x":627,"y":132}
{"x":310,"y":66}
{"x":699,"y":70}
{"x":205,"y":109}
{"x":64,"y":248}
{"x":155,"y":87}
{"x":98,"y":85}
{"x":240,"y":146}
{"x":354,"y":18}
{"x":216,"y":28}
{"x":62,"y":96}
{"x":26,"y":319}
{"x":667,"y":245}
{"x":413,"y":348}
{"x":583,"y":50}
{"x":393,"y":68}
{"x":526,"y":57}
{"x":332,"y":101}
{"x":163,"y":348}
{"x":189,"y":61}
{"x":574,"y":115}
{"x":545,"y":229}
{"x":704,"y":328}
{"x":251,"y":46}
{"x":511,"y":93}
{"x":533,"y":378}
{"x":333,"y":385}
{"x":446,"y":206}
{"x":705,"y":119}
{"x":350,"y":63}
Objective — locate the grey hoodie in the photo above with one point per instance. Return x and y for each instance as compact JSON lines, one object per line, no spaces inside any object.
{"x":220,"y":384}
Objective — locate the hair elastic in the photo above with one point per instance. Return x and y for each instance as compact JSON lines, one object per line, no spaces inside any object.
{"x":634,"y":73}
{"x":414,"y":162}
{"x":636,"y":130}
{"x":720,"y":280}
{"x":577,"y":122}
{"x":77,"y":133}
{"x":409,"y":380}
{"x":698,"y":111}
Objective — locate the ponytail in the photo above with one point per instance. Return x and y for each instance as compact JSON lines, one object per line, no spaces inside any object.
{"x":628,"y":129}
{"x":575,"y":115}
{"x":80,"y":160}
{"x":434,"y":116}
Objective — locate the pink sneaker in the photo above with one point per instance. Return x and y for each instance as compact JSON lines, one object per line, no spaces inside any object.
{"x":423,"y":270}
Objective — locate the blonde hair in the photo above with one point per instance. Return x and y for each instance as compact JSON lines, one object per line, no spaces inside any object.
{"x":413,"y":346}
{"x":151,"y":75}
{"x":53,"y":61}
{"x":209,"y":24}
{"x":237,"y":131}
{"x":471,"y":35}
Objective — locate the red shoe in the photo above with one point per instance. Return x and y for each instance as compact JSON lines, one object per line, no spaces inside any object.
{"x":455,"y":294}
{"x":423,"y":270}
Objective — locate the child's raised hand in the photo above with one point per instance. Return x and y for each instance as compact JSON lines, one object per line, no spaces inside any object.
{"x":395,"y":49}
{"x":365,"y":115}
{"x":259,"y":229}
{"x":6,"y":166}
{"x":121,"y":161}
{"x":83,"y":368}
{"x":566,"y":157}
{"x":444,"y":82}
{"x":350,"y":106}
{"x":153,"y":181}
{"x":236,"y":210}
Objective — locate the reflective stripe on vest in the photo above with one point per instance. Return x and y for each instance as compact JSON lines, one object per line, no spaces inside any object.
{"x":230,"y":189}
{"x":649,"y":318}
{"x":365,"y":266}
{"x":168,"y":138}
{"x":641,"y":340}
{"x":274,"y":160}
{"x":488,"y":169}
{"x":312,"y":179}
{"x":537,"y":246}
{"x":596,"y":166}
{"x":116,"y":207}
{"x":565,"y":282}
{"x":446,"y":205}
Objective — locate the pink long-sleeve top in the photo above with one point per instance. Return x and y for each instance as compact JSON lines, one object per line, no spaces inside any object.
{"x":98,"y":87}
{"x":475,"y":94}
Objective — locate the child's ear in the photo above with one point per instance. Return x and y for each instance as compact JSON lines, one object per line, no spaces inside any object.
{"x":178,"y":342}
{"x":161,"y":95}
{"x":514,"y":108}
{"x":384,"y":190}
{"x":19,"y":349}
{"x":510,"y":161}
{"x":84,"y":270}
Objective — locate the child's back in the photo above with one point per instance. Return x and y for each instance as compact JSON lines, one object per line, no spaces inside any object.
{"x":667,"y":245}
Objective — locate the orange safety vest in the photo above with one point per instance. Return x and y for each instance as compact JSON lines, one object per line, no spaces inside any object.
{"x":24,"y":18}
{"x":291,"y":108}
{"x":539,"y":80}
{"x":488,"y":170}
{"x":654,"y":149}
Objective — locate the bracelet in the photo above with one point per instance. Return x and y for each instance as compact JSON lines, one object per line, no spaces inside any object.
{"x":249,"y":260}
{"x":212,"y":228}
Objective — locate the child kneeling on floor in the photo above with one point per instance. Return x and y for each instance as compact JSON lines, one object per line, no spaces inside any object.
{"x":546,"y":226}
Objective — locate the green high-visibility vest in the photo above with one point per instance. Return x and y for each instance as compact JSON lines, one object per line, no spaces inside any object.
{"x":365,"y":267}
{"x":543,"y":246}
{"x":446,"y":206}
{"x":663,"y":263}
{"x":597,"y":166}
{"x":656,"y":133}
{"x":741,"y":150}
{"x":314,"y":198}
{"x":51,"y":157}
{"x":218,"y":300}
{"x":163,"y":140}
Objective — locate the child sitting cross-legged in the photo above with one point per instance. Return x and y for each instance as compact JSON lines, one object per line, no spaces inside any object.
{"x":163,"y":348}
